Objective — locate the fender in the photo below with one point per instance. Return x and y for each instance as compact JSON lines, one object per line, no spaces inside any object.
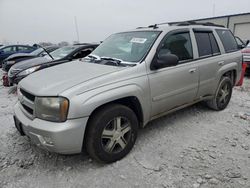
{"x":226,"y":68}
{"x":94,"y":99}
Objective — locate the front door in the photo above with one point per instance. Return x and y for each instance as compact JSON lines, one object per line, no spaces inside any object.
{"x":177,"y":85}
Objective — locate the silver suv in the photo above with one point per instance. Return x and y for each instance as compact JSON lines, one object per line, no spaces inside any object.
{"x":98,"y":103}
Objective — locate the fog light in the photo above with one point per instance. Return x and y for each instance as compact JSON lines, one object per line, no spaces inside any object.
{"x":48,"y":141}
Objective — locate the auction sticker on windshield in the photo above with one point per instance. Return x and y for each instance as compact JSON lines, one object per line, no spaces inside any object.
{"x":138,"y":40}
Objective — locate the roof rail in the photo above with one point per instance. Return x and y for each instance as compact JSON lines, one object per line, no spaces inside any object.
{"x":155,"y":26}
{"x":185,"y":23}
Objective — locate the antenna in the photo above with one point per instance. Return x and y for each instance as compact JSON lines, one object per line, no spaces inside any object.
{"x":77,"y":33}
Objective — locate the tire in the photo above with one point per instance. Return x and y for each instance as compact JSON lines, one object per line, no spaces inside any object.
{"x":111,"y":133}
{"x":222,"y":96}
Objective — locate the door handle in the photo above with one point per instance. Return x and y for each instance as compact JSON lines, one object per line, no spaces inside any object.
{"x":192,"y":70}
{"x":221,"y":63}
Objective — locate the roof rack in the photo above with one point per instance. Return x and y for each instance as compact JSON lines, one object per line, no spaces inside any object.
{"x":185,"y":23}
{"x":155,"y":26}
{"x":197,"y":23}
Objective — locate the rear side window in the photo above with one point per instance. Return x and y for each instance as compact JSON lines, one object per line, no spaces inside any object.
{"x":207,"y":44}
{"x":23,"y":48}
{"x":214,"y":44}
{"x":203,"y":43}
{"x":227,"y":40}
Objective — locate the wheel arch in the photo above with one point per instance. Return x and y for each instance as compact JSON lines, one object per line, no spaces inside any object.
{"x":229,"y":70}
{"x":131,"y":102}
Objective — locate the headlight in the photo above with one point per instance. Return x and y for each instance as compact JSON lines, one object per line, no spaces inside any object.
{"x":28,"y":71}
{"x":51,"y":108}
{"x":10,"y":62}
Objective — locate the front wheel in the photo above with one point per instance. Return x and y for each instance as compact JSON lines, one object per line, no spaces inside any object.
{"x":222,"y":96}
{"x":111,"y":133}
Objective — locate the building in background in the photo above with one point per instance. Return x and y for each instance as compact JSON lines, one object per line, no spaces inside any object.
{"x":239,"y":24}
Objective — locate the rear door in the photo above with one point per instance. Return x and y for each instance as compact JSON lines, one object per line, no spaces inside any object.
{"x":177,"y":85}
{"x":209,"y":60}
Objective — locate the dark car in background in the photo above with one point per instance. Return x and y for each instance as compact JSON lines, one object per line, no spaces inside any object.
{"x":18,"y":57}
{"x":62,"y":55}
{"x":6,"y":51}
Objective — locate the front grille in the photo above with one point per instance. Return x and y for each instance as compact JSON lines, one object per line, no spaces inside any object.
{"x":28,"y":109}
{"x":27,"y":101}
{"x":27,"y":95}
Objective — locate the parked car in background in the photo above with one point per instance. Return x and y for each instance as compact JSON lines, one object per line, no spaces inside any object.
{"x":62,"y":55}
{"x":6,"y":51}
{"x":18,"y":57}
{"x":99,"y":103}
{"x":246,"y":58}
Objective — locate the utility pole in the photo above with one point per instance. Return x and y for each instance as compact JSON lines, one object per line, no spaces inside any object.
{"x":77,"y":32}
{"x":213,"y":9}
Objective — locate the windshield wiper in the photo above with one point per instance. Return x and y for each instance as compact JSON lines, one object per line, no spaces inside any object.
{"x":93,"y":57}
{"x":115,"y":60}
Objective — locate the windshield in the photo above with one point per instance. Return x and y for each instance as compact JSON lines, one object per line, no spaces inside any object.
{"x":129,"y":46}
{"x":37,"y":51}
{"x":62,"y":52}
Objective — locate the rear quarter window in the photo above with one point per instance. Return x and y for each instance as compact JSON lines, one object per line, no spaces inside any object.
{"x":227,"y":40}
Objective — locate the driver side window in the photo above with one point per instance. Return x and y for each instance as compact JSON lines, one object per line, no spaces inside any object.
{"x":178,"y":44}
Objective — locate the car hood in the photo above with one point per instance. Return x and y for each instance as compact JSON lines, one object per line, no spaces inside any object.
{"x":14,"y":56}
{"x":31,"y":63}
{"x":53,"y":81}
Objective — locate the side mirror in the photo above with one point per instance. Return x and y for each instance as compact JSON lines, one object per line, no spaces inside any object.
{"x":165,"y":60}
{"x":241,"y":46}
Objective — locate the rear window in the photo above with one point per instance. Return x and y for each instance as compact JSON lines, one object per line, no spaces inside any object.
{"x":227,"y":40}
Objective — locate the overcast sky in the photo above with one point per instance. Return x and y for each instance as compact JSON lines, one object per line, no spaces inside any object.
{"x":30,"y":21}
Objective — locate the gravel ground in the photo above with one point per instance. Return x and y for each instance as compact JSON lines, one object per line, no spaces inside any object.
{"x":195,"y":147}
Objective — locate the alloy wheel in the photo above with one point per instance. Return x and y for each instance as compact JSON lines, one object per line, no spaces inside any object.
{"x":224,"y":94}
{"x":116,"y":135}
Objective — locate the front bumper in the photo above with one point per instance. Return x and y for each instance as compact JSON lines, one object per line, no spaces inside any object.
{"x":65,"y":138}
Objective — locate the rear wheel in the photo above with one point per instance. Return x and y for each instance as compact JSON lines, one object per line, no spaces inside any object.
{"x":111,"y":133}
{"x":222,"y":96}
